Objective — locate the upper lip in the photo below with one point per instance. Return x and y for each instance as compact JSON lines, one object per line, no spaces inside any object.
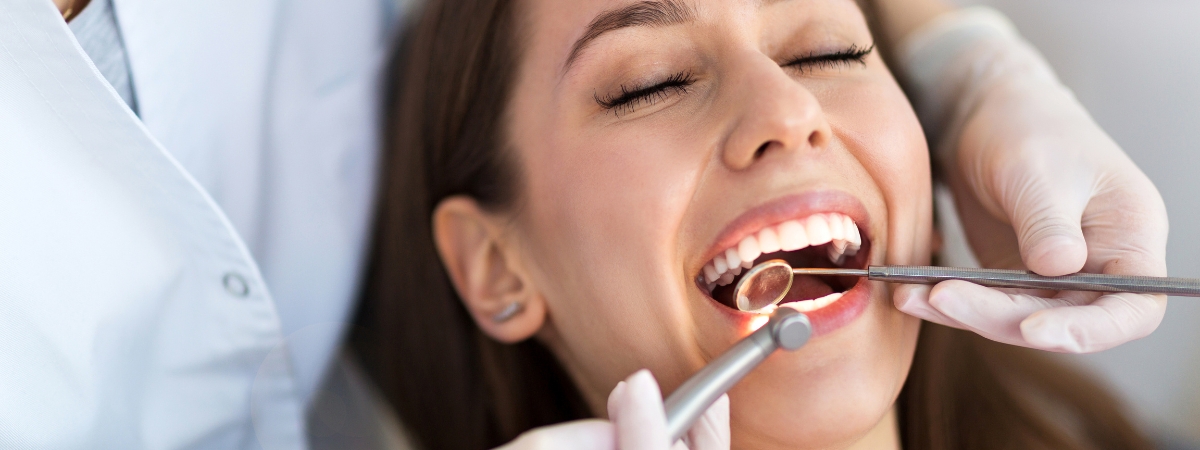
{"x":782,"y":209}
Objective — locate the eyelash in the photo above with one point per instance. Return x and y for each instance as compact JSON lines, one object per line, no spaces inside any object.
{"x":630,"y":98}
{"x":847,"y":57}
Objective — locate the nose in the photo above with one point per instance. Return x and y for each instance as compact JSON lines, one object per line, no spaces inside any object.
{"x":773,"y":113}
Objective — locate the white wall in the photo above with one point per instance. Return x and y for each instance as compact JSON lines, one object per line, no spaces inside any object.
{"x":1136,"y":66}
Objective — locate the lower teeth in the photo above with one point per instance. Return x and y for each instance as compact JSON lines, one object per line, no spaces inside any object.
{"x":814,"y":304}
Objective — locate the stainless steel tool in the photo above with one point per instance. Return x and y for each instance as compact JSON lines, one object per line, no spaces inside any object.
{"x":1095,"y":282}
{"x":765,"y":284}
{"x":787,"y":329}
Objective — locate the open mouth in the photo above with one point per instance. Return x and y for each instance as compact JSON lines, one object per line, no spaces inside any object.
{"x":826,"y":240}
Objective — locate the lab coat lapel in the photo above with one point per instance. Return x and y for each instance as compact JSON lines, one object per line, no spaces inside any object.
{"x":200,"y":72}
{"x":271,"y":105}
{"x":132,"y":315}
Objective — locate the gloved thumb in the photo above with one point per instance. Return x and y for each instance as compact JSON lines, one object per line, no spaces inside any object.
{"x":635,"y":408}
{"x":1047,"y":221}
{"x":711,"y":431}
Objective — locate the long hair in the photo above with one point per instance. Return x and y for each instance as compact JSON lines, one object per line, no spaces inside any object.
{"x":450,"y":79}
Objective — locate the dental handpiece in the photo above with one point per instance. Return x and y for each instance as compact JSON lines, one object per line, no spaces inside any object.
{"x":787,"y":329}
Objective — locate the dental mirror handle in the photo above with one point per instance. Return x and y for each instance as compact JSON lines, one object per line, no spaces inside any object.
{"x":1094,"y":282}
{"x":787,"y":329}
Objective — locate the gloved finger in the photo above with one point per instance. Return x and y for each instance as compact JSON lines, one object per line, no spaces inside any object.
{"x":1047,"y":219}
{"x":1109,"y":321}
{"x":636,"y":411}
{"x":991,"y":313}
{"x":591,"y":434}
{"x":913,"y":299}
{"x":711,"y":431}
{"x":614,"y":400}
{"x":1126,"y":228}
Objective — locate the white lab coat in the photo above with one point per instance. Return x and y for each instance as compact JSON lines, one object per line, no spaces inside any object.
{"x":136,"y":254}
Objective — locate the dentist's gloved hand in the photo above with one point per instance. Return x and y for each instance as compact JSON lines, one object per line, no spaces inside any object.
{"x":636,"y":422}
{"x":1038,"y":185}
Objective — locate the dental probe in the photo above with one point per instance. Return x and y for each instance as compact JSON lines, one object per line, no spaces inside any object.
{"x":768,"y":282}
{"x":1187,"y":287}
{"x":787,"y":329}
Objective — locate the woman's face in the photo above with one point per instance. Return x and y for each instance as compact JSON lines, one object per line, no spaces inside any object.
{"x":657,"y":138}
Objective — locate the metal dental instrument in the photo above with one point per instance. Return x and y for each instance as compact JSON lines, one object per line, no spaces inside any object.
{"x":1094,"y":282}
{"x":768,"y":278}
{"x":767,"y":283}
{"x":787,"y":329}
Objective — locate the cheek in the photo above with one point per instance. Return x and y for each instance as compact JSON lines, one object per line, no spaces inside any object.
{"x":602,"y":219}
{"x":610,"y":201}
{"x":882,"y":130}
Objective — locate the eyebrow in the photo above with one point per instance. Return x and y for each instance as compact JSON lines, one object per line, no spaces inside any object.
{"x":648,"y":13}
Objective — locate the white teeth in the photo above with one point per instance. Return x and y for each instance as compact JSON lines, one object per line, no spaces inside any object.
{"x":748,"y":249}
{"x":815,"y":304}
{"x":837,"y":251}
{"x":836,"y":228}
{"x":792,"y":236}
{"x":849,"y":226}
{"x":731,"y":259}
{"x":817,"y":229}
{"x":768,"y":241}
{"x":839,"y":245}
{"x":854,"y":238}
{"x":828,"y":299}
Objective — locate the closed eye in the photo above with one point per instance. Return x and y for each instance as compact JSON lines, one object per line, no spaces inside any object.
{"x":853,"y":55}
{"x":632,"y":97}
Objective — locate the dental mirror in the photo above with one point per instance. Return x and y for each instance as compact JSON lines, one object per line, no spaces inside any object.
{"x":763,"y":285}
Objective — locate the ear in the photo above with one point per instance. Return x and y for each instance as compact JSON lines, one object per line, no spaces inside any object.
{"x":486,"y":270}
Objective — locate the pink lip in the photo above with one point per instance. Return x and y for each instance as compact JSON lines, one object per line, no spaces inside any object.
{"x":853,"y":301}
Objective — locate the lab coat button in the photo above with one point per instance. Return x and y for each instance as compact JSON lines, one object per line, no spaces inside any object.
{"x":236,"y":285}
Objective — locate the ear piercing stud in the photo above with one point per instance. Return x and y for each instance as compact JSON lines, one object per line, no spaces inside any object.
{"x":508,"y":312}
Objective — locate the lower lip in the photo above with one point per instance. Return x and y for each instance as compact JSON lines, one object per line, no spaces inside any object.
{"x":837,"y":314}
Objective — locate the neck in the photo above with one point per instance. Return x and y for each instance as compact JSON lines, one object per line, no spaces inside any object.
{"x":885,"y":435}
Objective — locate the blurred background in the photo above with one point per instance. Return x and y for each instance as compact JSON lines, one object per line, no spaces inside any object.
{"x":1136,"y":66}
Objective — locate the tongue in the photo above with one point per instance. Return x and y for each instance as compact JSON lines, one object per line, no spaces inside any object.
{"x":806,"y":288}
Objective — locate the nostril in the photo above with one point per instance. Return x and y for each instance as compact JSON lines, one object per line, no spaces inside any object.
{"x":762,"y":149}
{"x":814,"y":140}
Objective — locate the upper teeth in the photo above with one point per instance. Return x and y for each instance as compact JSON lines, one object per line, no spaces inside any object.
{"x":817,"y":229}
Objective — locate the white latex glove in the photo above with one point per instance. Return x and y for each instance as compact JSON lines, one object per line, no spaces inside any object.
{"x":1038,"y":185}
{"x":636,"y":422}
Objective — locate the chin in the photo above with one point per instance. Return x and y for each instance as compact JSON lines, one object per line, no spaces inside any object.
{"x":832,"y":392}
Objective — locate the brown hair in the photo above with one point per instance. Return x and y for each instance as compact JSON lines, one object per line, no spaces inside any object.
{"x":454,"y":388}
